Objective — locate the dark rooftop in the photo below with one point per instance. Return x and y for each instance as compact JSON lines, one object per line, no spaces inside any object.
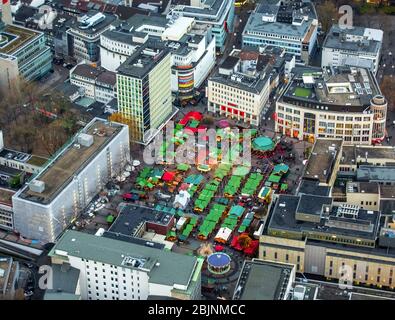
{"x":263,"y":280}
{"x":313,"y":187}
{"x":376,"y":173}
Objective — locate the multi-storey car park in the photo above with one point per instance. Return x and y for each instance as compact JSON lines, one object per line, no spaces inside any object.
{"x":333,"y":102}
{"x":66,"y":185}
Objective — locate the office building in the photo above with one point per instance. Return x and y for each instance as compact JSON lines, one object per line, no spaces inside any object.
{"x":144,"y":90}
{"x":23,"y":53}
{"x":219,"y":14}
{"x":242,"y":86}
{"x":54,"y":197}
{"x":264,"y":280}
{"x":192,"y":47}
{"x":353,"y":46}
{"x":96,"y":82}
{"x":119,"y":270}
{"x":84,"y":36}
{"x":65,"y":283}
{"x":6,"y":212}
{"x":291,"y":25}
{"x":336,"y":102}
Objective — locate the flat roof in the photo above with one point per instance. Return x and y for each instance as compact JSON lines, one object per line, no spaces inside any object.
{"x":18,"y":37}
{"x":312,"y":204}
{"x":313,"y":187}
{"x":322,"y":159}
{"x":376,"y":173}
{"x":369,"y":40}
{"x":341,"y":89}
{"x":366,"y":225}
{"x":132,"y":217}
{"x":167,"y":268}
{"x":263,"y":280}
{"x":144,"y":59}
{"x":353,"y":154}
{"x":6,"y":196}
{"x":71,"y":160}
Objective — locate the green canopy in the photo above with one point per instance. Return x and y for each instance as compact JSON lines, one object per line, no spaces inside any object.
{"x":280,"y":169}
{"x":236,"y":211}
{"x":183,"y":167}
{"x":110,"y":218}
{"x":241,"y":171}
{"x":274,"y":178}
{"x":263,"y":144}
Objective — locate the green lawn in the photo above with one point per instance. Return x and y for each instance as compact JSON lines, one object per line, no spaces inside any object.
{"x":302,"y":92}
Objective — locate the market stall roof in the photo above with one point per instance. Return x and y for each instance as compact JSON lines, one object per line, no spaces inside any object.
{"x":183,"y":167}
{"x":263,"y":143}
{"x":236,"y":211}
{"x":274,"y":178}
{"x":281,"y":168}
{"x":241,"y":171}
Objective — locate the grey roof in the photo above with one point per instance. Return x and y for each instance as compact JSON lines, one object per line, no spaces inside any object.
{"x":334,"y":40}
{"x":284,"y":218}
{"x":313,"y":187}
{"x":173,"y":269}
{"x":101,"y":26}
{"x":264,"y":281}
{"x":376,"y":173}
{"x":139,"y":64}
{"x":64,"y":278}
{"x":312,"y":204}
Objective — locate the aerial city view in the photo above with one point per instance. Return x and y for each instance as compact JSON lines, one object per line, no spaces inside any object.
{"x":197,"y":150}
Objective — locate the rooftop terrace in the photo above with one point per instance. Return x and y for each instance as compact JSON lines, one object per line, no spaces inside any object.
{"x":17,"y":38}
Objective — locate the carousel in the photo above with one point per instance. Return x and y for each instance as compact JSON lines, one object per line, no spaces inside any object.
{"x":218,"y":263}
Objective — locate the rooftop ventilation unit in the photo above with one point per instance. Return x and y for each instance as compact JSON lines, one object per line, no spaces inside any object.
{"x":37,"y":186}
{"x":85,"y":140}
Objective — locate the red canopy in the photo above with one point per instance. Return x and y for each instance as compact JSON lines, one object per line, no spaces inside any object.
{"x":218,"y":248}
{"x":168,"y":176}
{"x":191,"y":115}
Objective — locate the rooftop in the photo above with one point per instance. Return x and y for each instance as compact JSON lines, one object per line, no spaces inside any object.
{"x":343,"y":89}
{"x":353,"y":154}
{"x":163,"y":267}
{"x":322,"y":160}
{"x":18,"y":37}
{"x":144,"y":59}
{"x":268,"y":19}
{"x":92,"y":23}
{"x":357,"y":39}
{"x":132,"y":218}
{"x":6,"y":196}
{"x":313,"y":187}
{"x":376,"y":173}
{"x":71,"y":160}
{"x":343,"y":220}
{"x":263,"y":280}
{"x":64,"y":279}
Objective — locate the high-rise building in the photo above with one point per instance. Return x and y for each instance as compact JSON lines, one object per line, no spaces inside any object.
{"x":144,"y":90}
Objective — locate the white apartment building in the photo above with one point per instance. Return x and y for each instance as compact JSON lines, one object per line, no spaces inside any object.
{"x":342,"y":102}
{"x":67,"y":184}
{"x":112,"y":269}
{"x":241,"y":87}
{"x":354,"y":47}
{"x":98,"y":83}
